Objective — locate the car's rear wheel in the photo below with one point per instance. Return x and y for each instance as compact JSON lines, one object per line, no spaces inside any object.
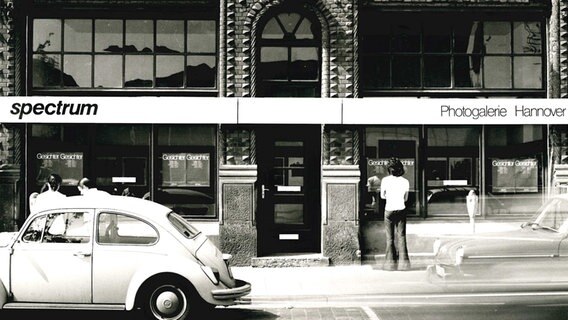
{"x":168,"y":301}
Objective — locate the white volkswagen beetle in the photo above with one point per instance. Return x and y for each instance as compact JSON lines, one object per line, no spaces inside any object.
{"x":110,"y":252}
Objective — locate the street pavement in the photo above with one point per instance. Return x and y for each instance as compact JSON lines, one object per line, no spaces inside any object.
{"x":353,"y":293}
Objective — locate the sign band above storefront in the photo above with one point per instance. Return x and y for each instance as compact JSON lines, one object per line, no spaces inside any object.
{"x":281,"y":110}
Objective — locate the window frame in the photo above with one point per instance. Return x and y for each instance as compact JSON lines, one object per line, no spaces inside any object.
{"x":132,"y":216}
{"x":180,"y":15}
{"x":452,"y":91}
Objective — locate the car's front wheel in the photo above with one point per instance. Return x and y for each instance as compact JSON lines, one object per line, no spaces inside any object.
{"x":168,"y":301}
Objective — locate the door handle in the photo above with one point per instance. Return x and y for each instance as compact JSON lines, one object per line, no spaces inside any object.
{"x":82,"y":254}
{"x":263,"y":191}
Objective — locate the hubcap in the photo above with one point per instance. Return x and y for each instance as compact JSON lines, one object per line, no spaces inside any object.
{"x":168,"y":302}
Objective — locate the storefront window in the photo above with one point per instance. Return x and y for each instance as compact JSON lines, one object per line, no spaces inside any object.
{"x":121,"y":159}
{"x":382,"y":143}
{"x":115,"y":53}
{"x":514,"y":169}
{"x":186,"y":162}
{"x":405,"y":51}
{"x":452,"y":168}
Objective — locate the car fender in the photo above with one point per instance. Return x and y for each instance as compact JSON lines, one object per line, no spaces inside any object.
{"x":190,"y":271}
{"x":3,"y":295}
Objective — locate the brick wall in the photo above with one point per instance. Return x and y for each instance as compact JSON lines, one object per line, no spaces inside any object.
{"x":7,"y":48}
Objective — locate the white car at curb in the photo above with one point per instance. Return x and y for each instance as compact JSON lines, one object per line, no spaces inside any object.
{"x":116,"y":253}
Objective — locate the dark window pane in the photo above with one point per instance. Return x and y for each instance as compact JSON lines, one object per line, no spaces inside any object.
{"x":139,"y":36}
{"x":437,"y":71}
{"x":108,"y":36}
{"x":376,"y":72}
{"x":304,"y":64}
{"x":138,"y":71}
{"x":47,"y":35}
{"x":201,"y":71}
{"x":406,"y":71}
{"x":78,"y":35}
{"x":108,"y":71}
{"x":169,"y":71}
{"x":77,"y":70}
{"x":46,"y":70}
{"x":437,"y":38}
{"x":468,"y":37}
{"x":406,"y":37}
{"x":273,"y":63}
{"x":467,"y":71}
{"x":169,"y":36}
{"x":201,"y":36}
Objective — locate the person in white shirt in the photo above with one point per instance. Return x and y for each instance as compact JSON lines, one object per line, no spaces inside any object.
{"x":87,"y":188}
{"x":51,"y":193}
{"x":394,"y":189}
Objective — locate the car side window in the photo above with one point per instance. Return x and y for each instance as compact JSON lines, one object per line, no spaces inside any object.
{"x":34,"y":231}
{"x":67,"y":227}
{"x":114,"y":228}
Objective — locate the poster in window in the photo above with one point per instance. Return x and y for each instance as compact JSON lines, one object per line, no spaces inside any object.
{"x":514,"y":175}
{"x":69,"y":165}
{"x":377,"y":170}
{"x":186,"y":169}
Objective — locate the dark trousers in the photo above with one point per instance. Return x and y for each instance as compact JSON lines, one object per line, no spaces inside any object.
{"x":396,"y":255}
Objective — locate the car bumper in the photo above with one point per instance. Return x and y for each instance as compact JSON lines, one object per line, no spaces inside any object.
{"x":241,"y":289}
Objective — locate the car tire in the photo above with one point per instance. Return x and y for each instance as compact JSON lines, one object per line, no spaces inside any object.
{"x":169,"y":300}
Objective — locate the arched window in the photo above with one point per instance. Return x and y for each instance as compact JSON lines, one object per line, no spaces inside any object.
{"x":289,"y":62}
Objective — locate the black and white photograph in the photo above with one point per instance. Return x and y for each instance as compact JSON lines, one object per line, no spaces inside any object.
{"x":284,"y":159}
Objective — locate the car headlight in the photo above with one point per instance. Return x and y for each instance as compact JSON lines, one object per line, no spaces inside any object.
{"x":212,"y":274}
{"x":459,"y":255}
{"x":436,"y":246}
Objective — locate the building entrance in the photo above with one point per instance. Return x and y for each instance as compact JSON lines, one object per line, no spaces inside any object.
{"x":289,"y":189}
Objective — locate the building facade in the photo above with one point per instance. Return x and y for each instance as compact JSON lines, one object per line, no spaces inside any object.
{"x":263,"y":190}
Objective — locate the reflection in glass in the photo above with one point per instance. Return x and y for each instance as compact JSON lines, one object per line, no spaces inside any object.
{"x":201,"y":36}
{"x":108,"y":36}
{"x":78,"y":35}
{"x":272,"y":30}
{"x":108,"y":71}
{"x":77,"y":70}
{"x":138,"y":71}
{"x":201,"y":71}
{"x":274,"y":62}
{"x":527,"y":37}
{"x":169,"y":71}
{"x":47,"y":35}
{"x":46,"y":70}
{"x":467,"y":71}
{"x":169,"y":36}
{"x":497,"y":36}
{"x":304,"y":64}
{"x":139,"y":36}
{"x":289,"y":21}
{"x":288,"y":213}
{"x":497,"y":72}
{"x":305,"y":30}
{"x":528,"y":72}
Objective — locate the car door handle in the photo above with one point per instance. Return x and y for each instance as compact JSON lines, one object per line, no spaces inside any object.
{"x":82,"y":254}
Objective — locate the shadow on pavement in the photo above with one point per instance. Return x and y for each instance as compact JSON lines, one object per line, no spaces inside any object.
{"x":218,"y":313}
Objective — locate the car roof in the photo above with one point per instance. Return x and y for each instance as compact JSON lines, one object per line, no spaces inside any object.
{"x":144,"y":208}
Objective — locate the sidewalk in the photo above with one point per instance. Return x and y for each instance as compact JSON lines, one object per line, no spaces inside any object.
{"x":335,"y":283}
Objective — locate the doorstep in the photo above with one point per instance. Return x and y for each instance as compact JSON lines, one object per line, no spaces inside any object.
{"x":290,"y":260}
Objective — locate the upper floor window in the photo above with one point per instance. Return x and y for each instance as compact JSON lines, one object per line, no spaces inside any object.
{"x":290,"y":50}
{"x":419,"y":53}
{"x":123,"y":54}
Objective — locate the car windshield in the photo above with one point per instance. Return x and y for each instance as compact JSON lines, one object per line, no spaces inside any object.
{"x":554,"y":216}
{"x":182,"y":225}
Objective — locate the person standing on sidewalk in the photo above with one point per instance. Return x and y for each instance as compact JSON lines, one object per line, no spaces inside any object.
{"x":394,"y":189}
